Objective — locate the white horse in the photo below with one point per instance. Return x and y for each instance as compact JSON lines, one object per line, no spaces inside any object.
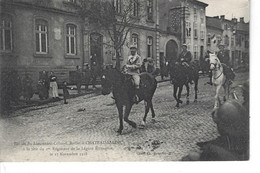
{"x":218,"y":79}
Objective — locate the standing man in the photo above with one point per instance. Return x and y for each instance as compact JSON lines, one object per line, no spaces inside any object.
{"x":87,"y":75}
{"x":185,"y":59}
{"x":94,"y":69}
{"x":78,"y":79}
{"x":133,"y":65}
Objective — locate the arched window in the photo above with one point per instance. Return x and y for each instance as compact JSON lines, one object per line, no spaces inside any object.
{"x":135,"y":8}
{"x":6,"y":32}
{"x":135,"y":40}
{"x":149,"y":47}
{"x":71,"y":40}
{"x":41,"y":33}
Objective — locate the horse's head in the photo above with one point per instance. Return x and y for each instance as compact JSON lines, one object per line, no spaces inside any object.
{"x":106,"y":81}
{"x":109,"y":78}
{"x":214,"y":61}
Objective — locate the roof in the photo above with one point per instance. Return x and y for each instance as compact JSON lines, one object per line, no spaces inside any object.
{"x":213,"y":22}
{"x":199,"y":3}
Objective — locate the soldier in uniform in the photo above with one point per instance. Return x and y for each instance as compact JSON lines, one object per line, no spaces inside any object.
{"x":78,"y":78}
{"x":185,"y":59}
{"x":133,"y":66}
{"x":223,"y":56}
{"x":87,"y":75}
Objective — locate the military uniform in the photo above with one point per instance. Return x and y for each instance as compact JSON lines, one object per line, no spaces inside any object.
{"x":223,"y":56}
{"x":133,"y":65}
{"x":185,"y":59}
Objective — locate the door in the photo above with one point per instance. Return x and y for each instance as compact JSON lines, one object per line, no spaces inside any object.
{"x":96,"y":49}
{"x":171,"y":51}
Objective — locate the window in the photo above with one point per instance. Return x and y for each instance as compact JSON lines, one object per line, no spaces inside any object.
{"x":209,"y":40}
{"x":246,"y":44}
{"x":150,"y":10}
{"x":195,"y":11}
{"x":225,"y":26}
{"x":195,"y":52}
{"x":195,"y":33}
{"x":71,"y":39}
{"x":195,"y":30}
{"x":135,"y":8}
{"x":149,"y":47}
{"x":232,"y":41}
{"x":6,"y":32}
{"x":118,"y":6}
{"x":202,"y":35}
{"x":188,"y":29}
{"x":226,"y":40}
{"x":135,"y":40}
{"x":41,"y":32}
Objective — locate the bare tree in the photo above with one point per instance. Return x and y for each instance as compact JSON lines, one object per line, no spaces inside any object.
{"x":116,"y":17}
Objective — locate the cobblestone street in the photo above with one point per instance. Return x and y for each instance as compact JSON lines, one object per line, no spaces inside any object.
{"x":88,"y":124}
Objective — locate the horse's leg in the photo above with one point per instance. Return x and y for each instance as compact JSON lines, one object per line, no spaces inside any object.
{"x":225,"y":92}
{"x":175,"y":88}
{"x":126,"y":116}
{"x":147,"y":107}
{"x":196,"y":89}
{"x":217,"y":101}
{"x":120,"y":112}
{"x":179,"y":94}
{"x":188,"y":93}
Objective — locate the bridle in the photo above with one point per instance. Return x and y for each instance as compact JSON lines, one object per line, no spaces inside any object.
{"x":217,"y":67}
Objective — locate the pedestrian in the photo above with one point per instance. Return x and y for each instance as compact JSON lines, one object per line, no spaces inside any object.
{"x":94,"y":70}
{"x":87,"y":75}
{"x":43,"y":85}
{"x":185,"y":58}
{"x":65,"y":92}
{"x":53,"y":86}
{"x":27,"y":87}
{"x":133,"y":66}
{"x":78,"y":79}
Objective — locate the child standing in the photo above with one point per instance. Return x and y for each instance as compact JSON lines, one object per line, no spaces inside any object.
{"x":65,"y":92}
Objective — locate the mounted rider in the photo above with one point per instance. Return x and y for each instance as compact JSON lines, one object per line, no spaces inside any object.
{"x":223,"y":56}
{"x":185,"y":58}
{"x":133,"y":65}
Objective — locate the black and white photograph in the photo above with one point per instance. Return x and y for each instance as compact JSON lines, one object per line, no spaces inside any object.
{"x":124,"y":80}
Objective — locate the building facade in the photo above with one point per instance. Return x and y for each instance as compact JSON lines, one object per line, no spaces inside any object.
{"x":233,"y":34}
{"x":40,"y":35}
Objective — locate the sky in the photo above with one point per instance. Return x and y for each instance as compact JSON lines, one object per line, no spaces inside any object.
{"x":229,"y":8}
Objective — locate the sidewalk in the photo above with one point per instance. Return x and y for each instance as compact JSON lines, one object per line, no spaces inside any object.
{"x":35,"y":100}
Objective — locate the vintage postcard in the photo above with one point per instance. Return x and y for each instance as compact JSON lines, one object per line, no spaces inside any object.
{"x":124,"y":80}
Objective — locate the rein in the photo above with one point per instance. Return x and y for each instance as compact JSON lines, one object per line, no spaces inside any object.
{"x":217,"y":69}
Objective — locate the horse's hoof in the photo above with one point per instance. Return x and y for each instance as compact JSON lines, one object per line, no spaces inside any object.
{"x":143,"y":123}
{"x":153,"y":120}
{"x":134,"y":125}
{"x":119,"y":132}
{"x":187,"y":102}
{"x":180,"y":101}
{"x":177,"y":106}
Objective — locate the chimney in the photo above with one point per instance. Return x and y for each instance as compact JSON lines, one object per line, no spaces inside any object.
{"x":222,"y":17}
{"x":242,"y":20}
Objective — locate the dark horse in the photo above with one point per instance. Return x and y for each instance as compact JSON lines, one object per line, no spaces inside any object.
{"x":123,"y":91}
{"x":178,"y":75}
